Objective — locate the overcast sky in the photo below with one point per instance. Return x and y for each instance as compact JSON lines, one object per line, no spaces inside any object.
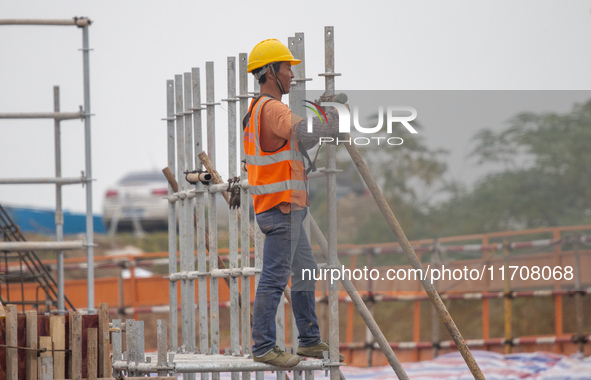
{"x":138,"y":45}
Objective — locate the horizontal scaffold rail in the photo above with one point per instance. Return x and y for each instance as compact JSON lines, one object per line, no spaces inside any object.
{"x":215,"y":273}
{"x":102,"y":263}
{"x":197,"y":363}
{"x":43,"y":115}
{"x":41,"y":246}
{"x":75,"y":21}
{"x":388,"y":298}
{"x":529,"y":340}
{"x":41,"y":181}
{"x":470,"y":296}
{"x":217,"y":188}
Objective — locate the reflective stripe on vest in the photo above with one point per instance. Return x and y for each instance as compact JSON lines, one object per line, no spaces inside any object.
{"x":278,"y":186}
{"x":274,"y":158}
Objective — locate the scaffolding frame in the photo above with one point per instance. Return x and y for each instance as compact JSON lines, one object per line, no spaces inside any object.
{"x":184,"y":131}
{"x":59,"y":181}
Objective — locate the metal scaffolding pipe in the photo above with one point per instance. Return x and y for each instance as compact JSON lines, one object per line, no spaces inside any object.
{"x":59,"y":215}
{"x":88,"y":166}
{"x":414,"y":260}
{"x":27,"y":246}
{"x":361,"y":308}
{"x":76,"y":21}
{"x":331,"y":201}
{"x":43,"y":115}
{"x":296,"y":97}
{"x":203,"y":337}
{"x":233,"y":212}
{"x":187,"y":238}
{"x":216,"y":364}
{"x":244,"y":223}
{"x":214,"y":318}
{"x":172,"y":245}
{"x":41,"y":181}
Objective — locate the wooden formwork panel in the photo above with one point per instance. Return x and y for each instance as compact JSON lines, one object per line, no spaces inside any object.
{"x":54,"y":332}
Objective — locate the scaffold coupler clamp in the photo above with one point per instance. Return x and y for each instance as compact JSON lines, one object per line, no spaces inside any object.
{"x":195,"y":176}
{"x":234,"y":191}
{"x":579,"y":338}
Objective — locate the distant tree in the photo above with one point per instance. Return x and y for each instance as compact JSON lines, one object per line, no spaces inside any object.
{"x":546,"y":180}
{"x":407,"y":175}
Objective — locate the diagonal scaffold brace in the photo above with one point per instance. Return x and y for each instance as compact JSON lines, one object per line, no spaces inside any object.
{"x":384,"y":207}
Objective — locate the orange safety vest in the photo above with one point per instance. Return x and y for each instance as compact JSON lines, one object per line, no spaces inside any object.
{"x":273,"y":177}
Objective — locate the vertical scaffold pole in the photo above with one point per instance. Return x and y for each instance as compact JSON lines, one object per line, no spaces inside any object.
{"x":245,"y":211}
{"x":188,"y":246}
{"x":180,"y":153}
{"x":172,"y":266}
{"x":59,"y":215}
{"x":117,"y":342}
{"x":331,"y":182}
{"x":88,"y":169}
{"x":296,"y":96}
{"x":258,"y":244}
{"x":161,"y":345}
{"x":258,"y":264}
{"x":200,"y":210}
{"x":280,"y":330}
{"x":213,"y":239}
{"x":233,"y":213}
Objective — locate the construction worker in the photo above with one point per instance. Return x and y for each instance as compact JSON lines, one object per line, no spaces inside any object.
{"x":275,"y":143}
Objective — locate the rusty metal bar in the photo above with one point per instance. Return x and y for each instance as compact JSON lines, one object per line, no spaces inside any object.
{"x":414,"y":260}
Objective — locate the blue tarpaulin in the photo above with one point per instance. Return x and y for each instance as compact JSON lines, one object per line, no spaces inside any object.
{"x":494,"y":366}
{"x":42,"y":221}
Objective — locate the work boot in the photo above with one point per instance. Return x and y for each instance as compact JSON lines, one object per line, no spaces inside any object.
{"x":278,"y":358}
{"x":316,"y":351}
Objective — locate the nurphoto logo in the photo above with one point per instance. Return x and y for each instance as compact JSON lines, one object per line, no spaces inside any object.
{"x":394,"y":115}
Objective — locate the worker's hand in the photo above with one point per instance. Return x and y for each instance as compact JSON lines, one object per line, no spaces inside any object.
{"x":234,"y":201}
{"x":335,"y":98}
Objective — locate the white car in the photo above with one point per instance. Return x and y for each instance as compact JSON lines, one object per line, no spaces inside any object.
{"x":137,"y":197}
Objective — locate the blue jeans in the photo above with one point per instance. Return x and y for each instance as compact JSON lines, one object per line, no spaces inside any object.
{"x":286,"y":253}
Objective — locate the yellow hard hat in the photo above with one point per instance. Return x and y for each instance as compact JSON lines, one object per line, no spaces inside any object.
{"x":268,"y":51}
